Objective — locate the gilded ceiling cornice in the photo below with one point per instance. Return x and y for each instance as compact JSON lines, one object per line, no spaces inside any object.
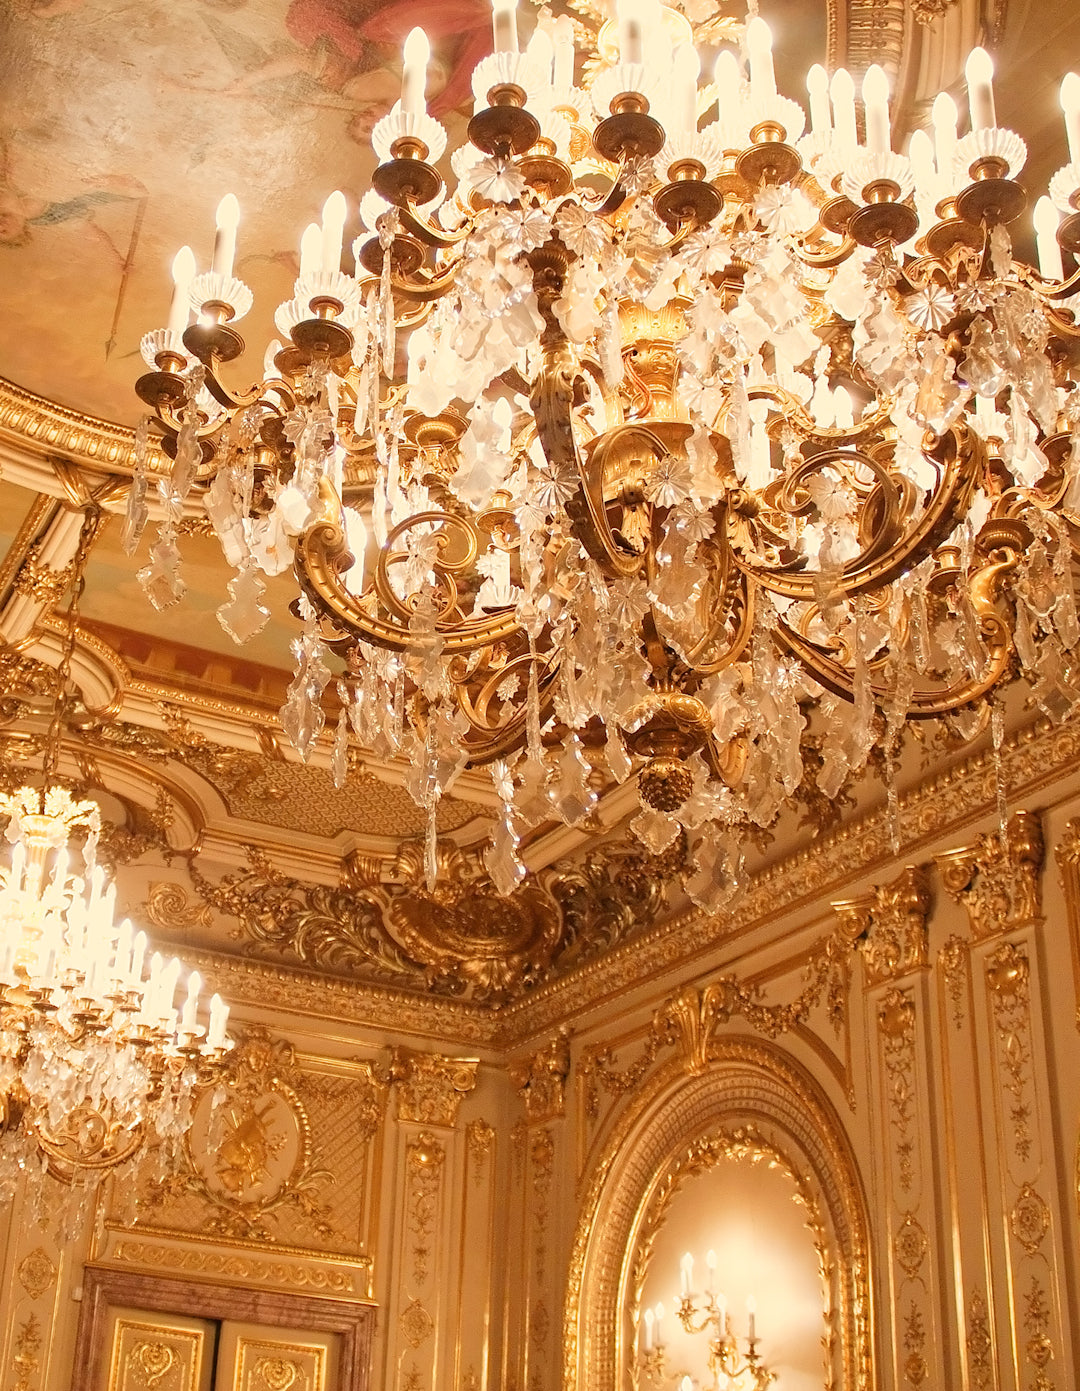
{"x":951,"y":803}
{"x":1033,"y":759}
{"x":37,"y":430}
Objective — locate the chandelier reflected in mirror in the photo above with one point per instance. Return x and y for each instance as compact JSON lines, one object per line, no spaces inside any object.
{"x":673,"y":437}
{"x":95,"y":1060}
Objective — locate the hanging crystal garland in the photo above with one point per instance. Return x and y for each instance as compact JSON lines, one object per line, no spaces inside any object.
{"x":673,"y":435}
{"x":95,"y":1058}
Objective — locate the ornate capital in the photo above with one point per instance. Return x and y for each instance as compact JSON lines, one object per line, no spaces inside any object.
{"x":430,"y":1087}
{"x":997,"y":883}
{"x":891,"y":921}
{"x":541,"y":1079}
{"x":688,"y":1019}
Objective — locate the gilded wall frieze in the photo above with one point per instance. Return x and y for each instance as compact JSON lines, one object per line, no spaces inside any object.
{"x":896,"y":1025}
{"x":979,"y":1343}
{"x":168,"y":906}
{"x":26,"y":1354}
{"x":541,"y":1078}
{"x":891,"y":923}
{"x":955,"y":963}
{"x":431,"y":1087}
{"x":480,"y":1139}
{"x":689,"y":1018}
{"x":998,"y":879}
{"x":425,"y":1163}
{"x":1068,"y":858}
{"x":304,"y":1275}
{"x":1007,"y":976}
{"x":36,"y":1272}
{"x":462,"y":938}
{"x":1038,"y":1345}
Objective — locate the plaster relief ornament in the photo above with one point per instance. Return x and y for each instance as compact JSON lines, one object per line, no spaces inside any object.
{"x":673,"y":436}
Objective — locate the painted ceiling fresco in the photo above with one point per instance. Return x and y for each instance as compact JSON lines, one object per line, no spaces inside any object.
{"x":123,"y":124}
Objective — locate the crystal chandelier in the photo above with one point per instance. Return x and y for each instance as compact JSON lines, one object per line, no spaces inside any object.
{"x":94,"y":1058}
{"x":671,"y":439}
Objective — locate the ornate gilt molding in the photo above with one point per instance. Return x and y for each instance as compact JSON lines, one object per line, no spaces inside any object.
{"x":252,"y":1168}
{"x":430,"y":1087}
{"x":891,"y":923}
{"x":42,"y":432}
{"x":1008,"y":978}
{"x":746,"y":1078}
{"x":1068,"y":858}
{"x":896,"y":1025}
{"x":999,"y":884}
{"x":239,"y":1267}
{"x":541,"y":1078}
{"x":740,"y":1143}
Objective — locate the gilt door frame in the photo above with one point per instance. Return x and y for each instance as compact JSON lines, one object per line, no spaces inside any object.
{"x":104,"y":1288}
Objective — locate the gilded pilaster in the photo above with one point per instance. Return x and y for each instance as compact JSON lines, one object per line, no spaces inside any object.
{"x":891,"y":922}
{"x":997,"y":880}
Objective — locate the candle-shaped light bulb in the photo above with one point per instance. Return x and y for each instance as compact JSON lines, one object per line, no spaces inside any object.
{"x":921,"y":155}
{"x":687,"y":1383}
{"x":183,"y":273}
{"x":649,"y":1318}
{"x":842,"y":90}
{"x":541,"y":51}
{"x":414,"y":64}
{"x":226,"y":220}
{"x":658,"y":1327}
{"x":60,"y":867}
{"x":1046,"y":219}
{"x":631,"y":17}
{"x":817,"y":86}
{"x":710,"y":1266}
{"x":219,"y":1015}
{"x":979,"y":71}
{"x":686,"y":1272}
{"x":875,"y":93}
{"x":269,"y":365}
{"x":686,"y":66}
{"x":563,"y":77}
{"x":310,"y":249}
{"x":721,"y":1311}
{"x":944,"y":119}
{"x":191,"y":1004}
{"x":727,"y":79}
{"x":333,"y":228}
{"x":843,"y":410}
{"x":759,"y":50}
{"x":751,"y":1311}
{"x":138,"y":956}
{"x":1070,"y":104}
{"x":504,"y":24}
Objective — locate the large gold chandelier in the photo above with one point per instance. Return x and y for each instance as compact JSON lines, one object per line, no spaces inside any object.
{"x":672,"y":435}
{"x":95,"y":1059}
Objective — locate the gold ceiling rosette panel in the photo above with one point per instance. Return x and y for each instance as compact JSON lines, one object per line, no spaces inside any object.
{"x":675,"y":436}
